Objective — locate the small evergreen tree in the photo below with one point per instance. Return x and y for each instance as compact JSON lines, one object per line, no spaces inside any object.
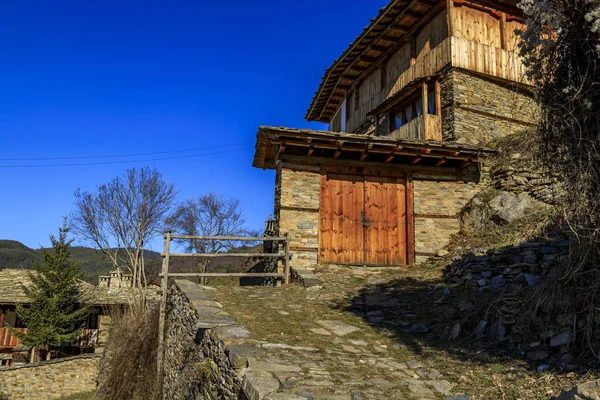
{"x":57,"y":309}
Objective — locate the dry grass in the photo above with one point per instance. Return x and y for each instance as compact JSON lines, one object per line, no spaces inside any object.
{"x":129,"y":363}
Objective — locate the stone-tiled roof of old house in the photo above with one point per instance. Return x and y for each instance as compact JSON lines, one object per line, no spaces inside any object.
{"x":13,"y":280}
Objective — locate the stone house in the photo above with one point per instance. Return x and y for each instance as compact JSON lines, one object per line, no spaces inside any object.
{"x":93,"y":336}
{"x":410,"y":105}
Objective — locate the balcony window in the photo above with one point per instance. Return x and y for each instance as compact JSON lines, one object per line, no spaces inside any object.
{"x":431,"y":106}
{"x":419,"y":107}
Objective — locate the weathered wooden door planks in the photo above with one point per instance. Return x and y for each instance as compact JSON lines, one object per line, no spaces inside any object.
{"x":363,"y":220}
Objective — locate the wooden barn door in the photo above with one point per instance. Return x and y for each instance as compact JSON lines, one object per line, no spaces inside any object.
{"x":341,"y":233}
{"x":363,"y":220}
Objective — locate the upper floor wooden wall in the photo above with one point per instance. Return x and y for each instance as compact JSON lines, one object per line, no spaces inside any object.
{"x":473,"y":37}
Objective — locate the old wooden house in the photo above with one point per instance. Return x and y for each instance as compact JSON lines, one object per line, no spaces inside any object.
{"x":92,"y":338}
{"x":410,"y":105}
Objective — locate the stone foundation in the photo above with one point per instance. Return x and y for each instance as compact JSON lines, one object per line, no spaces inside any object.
{"x":476,"y":110}
{"x":297,"y":210}
{"x":51,"y":379}
{"x":437,"y":205}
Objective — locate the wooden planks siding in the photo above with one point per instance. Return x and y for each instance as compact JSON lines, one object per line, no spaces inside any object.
{"x":434,"y":33}
{"x":415,"y":129}
{"x":488,"y":60}
{"x":429,"y":64}
{"x":476,"y":25}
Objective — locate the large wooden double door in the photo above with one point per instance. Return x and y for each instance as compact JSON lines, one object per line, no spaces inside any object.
{"x":363,"y":220}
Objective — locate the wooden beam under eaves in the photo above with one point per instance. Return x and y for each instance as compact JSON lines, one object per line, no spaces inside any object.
{"x":311,"y":150}
{"x":440,"y":162}
{"x":390,"y":158}
{"x":381,"y":49}
{"x":415,"y":160}
{"x":364,"y":156}
{"x":338,"y":153}
{"x":280,"y":150}
{"x":465,"y":163}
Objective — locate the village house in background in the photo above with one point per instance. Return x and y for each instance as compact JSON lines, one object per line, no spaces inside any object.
{"x":102,"y":298}
{"x":116,"y":280}
{"x":410,"y":105}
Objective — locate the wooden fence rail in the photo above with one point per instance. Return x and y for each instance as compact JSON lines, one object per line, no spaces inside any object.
{"x":165,"y":274}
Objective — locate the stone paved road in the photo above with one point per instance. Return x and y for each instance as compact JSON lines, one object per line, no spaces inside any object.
{"x":319,"y":351}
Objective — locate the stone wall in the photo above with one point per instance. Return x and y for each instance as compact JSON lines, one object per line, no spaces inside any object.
{"x":526,"y":179}
{"x":51,"y":379}
{"x":477,"y":109}
{"x":522,"y":265}
{"x":207,"y":353}
{"x":297,"y":210}
{"x":437,"y":205}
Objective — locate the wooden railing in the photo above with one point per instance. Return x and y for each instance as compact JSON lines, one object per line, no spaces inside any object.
{"x":425,"y":127}
{"x":428,"y":64}
{"x":165,"y":275}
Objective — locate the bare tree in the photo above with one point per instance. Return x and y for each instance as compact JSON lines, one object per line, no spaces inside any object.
{"x":123,"y":215}
{"x":208,"y":215}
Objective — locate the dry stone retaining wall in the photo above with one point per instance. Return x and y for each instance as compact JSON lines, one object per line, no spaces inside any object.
{"x":51,"y":379}
{"x":523,"y":265}
{"x":207,"y":352}
{"x":526,"y":179}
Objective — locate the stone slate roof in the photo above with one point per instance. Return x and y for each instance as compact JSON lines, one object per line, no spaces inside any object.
{"x":13,"y":280}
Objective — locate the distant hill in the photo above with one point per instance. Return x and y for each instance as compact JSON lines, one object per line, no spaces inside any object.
{"x":93,"y":263}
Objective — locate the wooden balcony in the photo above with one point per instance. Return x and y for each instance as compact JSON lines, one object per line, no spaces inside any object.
{"x":88,"y":338}
{"x":7,"y":339}
{"x":425,"y":127}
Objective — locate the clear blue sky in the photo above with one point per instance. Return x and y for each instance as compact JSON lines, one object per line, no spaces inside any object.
{"x":94,"y":78}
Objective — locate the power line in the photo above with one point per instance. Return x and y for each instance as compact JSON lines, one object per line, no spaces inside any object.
{"x":119,"y":162}
{"x":122,"y":155}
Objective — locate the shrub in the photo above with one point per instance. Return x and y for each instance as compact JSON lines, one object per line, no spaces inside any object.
{"x":128,"y":369}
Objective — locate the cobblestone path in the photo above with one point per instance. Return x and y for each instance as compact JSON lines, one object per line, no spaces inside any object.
{"x":319,"y":350}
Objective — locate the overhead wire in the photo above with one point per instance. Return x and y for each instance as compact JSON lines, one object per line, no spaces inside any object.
{"x":122,"y":161}
{"x":121,"y":155}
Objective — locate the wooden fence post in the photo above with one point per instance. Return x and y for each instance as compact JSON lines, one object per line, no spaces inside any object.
{"x":286,"y":269}
{"x":164,"y":285}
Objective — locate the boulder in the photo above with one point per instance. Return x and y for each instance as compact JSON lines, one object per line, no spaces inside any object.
{"x":561,"y":339}
{"x":508,"y":207}
{"x":586,"y":391}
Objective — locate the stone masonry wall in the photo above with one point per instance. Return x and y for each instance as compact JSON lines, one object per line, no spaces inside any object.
{"x":476,"y":110}
{"x":437,"y":204}
{"x":207,"y":353}
{"x":298,"y":214}
{"x":51,"y":379}
{"x":522,"y":265}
